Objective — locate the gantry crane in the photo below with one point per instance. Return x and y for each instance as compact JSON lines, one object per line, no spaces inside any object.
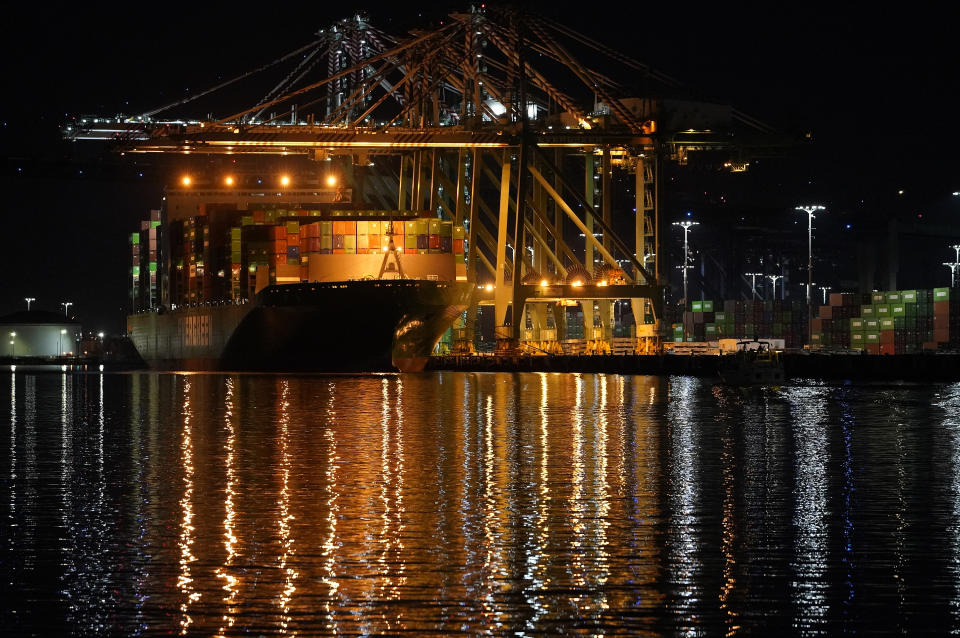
{"x":512,"y":125}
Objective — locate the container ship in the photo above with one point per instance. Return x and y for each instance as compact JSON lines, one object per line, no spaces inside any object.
{"x":234,"y":279}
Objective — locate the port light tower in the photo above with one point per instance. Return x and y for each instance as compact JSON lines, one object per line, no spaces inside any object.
{"x":952,"y":265}
{"x":824,"y":290}
{"x":686,"y":253}
{"x":28,"y":300}
{"x":809,"y":286}
{"x":810,"y":209}
{"x":773,"y":280}
{"x":66,"y":307}
{"x":753,"y":282}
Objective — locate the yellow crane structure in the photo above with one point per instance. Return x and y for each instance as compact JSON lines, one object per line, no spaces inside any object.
{"x":533,"y":137}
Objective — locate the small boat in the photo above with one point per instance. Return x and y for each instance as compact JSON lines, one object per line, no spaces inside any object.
{"x":754,"y":363}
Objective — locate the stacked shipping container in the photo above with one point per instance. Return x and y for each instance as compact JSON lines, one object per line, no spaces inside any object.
{"x":709,"y":321}
{"x":892,"y":322}
{"x":270,"y":246}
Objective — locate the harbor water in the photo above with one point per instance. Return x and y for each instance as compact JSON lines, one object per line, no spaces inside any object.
{"x":476,"y":503}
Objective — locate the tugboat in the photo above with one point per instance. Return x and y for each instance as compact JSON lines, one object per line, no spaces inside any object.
{"x":754,"y":363}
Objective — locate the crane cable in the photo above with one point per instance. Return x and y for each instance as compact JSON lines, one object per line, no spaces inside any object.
{"x":229,"y":82}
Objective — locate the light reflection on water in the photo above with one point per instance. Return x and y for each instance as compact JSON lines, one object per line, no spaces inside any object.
{"x":476,"y":503}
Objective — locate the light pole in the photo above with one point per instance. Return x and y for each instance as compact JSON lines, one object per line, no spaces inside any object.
{"x":953,"y":271}
{"x":753,"y":282}
{"x":824,"y":290}
{"x":60,"y":341}
{"x":66,"y":307}
{"x":808,"y":287}
{"x":686,"y":253}
{"x":810,"y":209}
{"x":956,"y":248}
{"x":773,"y":280}
{"x":28,"y":300}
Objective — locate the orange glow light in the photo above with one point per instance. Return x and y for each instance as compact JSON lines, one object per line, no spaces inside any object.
{"x":186,"y":180}
{"x":331,"y":180}
{"x":285,"y":180}
{"x":228,"y":180}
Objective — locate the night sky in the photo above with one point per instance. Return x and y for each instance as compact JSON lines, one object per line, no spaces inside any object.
{"x":874,"y":88}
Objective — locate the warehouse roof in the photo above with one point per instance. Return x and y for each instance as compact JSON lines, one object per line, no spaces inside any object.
{"x":35,"y":317}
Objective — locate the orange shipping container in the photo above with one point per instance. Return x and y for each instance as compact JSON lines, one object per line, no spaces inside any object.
{"x":872,"y":348}
{"x":293,"y":240}
{"x":826,"y":312}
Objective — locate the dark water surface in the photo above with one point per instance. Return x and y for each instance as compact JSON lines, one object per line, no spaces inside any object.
{"x":475,"y":503}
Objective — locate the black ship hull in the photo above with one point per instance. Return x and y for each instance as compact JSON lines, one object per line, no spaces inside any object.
{"x":351,"y":326}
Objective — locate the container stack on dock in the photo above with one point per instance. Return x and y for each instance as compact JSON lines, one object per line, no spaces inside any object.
{"x":836,"y":322}
{"x":891,"y":322}
{"x":736,"y":319}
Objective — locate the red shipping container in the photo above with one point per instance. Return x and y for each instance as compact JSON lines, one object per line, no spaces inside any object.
{"x":816,"y":325}
{"x":886,"y":336}
{"x":338,"y":228}
{"x":941,"y":322}
{"x":872,"y":348}
{"x":258,"y":216}
{"x":349,"y":228}
{"x":434,"y":242}
{"x":941,"y":308}
{"x":887,"y":348}
{"x":941,"y":335}
{"x":458,"y":245}
{"x":398,"y":228}
{"x":293,"y":240}
{"x":826,"y":312}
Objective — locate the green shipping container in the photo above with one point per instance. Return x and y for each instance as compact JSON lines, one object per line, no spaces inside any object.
{"x":857,"y":339}
{"x":871,"y":325}
{"x":892,"y":296}
{"x":857,"y":325}
{"x":908,"y":296}
{"x":883,"y":310}
{"x":710,"y":329}
{"x":941,"y":294}
{"x":135,"y":238}
{"x":868,"y":311}
{"x":708,"y":306}
{"x":887,"y":323}
{"x":877,"y":297}
{"x":696,"y":306}
{"x":898,"y":310}
{"x":720,"y":317}
{"x":872,"y":337}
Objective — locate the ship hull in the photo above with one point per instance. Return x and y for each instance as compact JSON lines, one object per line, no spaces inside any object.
{"x":355,"y":326}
